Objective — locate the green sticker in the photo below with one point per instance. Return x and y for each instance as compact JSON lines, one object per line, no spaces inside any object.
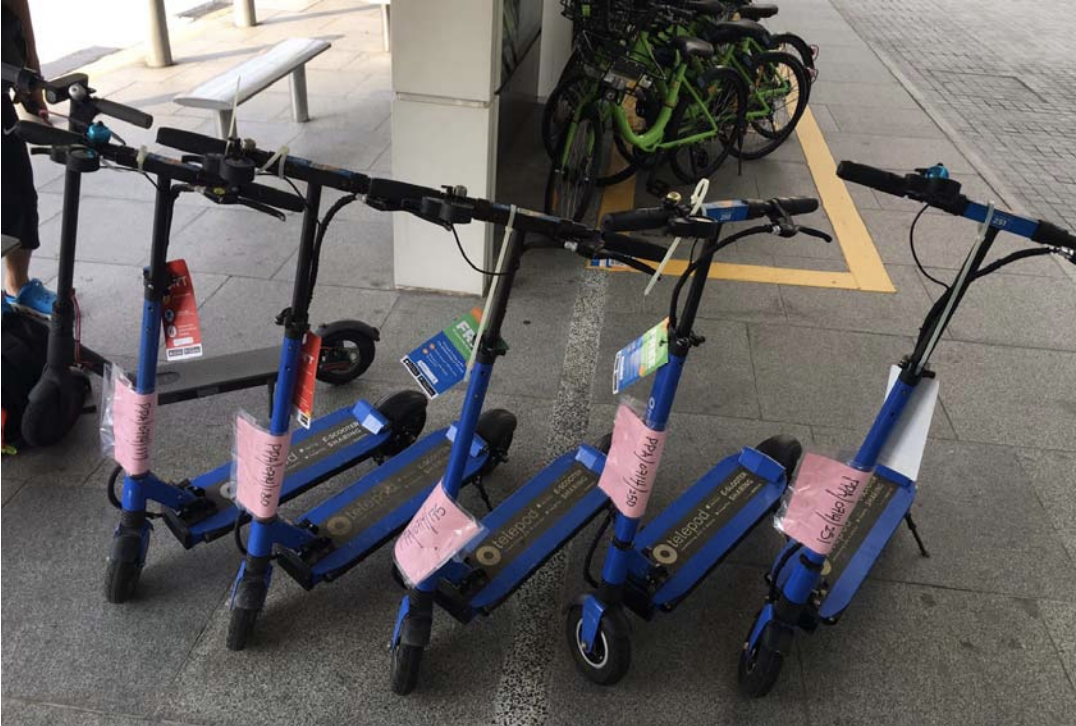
{"x":642,"y":356}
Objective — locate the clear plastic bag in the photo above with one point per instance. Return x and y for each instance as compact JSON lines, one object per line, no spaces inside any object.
{"x":126,"y":422}
{"x":440,"y":530}
{"x":260,"y":460}
{"x":815,"y":509}
{"x":631,"y":466}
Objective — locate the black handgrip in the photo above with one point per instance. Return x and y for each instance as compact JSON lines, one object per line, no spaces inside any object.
{"x":190,"y":142}
{"x":272,"y":197}
{"x":632,"y":247}
{"x":873,"y":177}
{"x":637,"y":220}
{"x":392,"y":194}
{"x":791,"y":206}
{"x":1048,"y":233}
{"x":153,"y":164}
{"x":124,"y":113}
{"x":45,"y":135}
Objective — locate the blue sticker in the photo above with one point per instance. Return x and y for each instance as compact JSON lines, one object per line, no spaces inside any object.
{"x":441,"y":362}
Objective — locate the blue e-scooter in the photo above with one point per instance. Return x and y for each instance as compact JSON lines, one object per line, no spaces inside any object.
{"x":334,"y":536}
{"x":808,"y":588}
{"x":653,"y":569}
{"x":202,"y":509}
{"x":542,"y":515}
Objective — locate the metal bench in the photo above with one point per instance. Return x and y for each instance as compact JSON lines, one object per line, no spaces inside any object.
{"x":254,"y":76}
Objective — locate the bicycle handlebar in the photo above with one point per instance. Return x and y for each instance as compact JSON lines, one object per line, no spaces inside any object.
{"x":38,"y":134}
{"x":124,"y":113}
{"x":935,"y":189}
{"x":637,"y":220}
{"x":295,"y":167}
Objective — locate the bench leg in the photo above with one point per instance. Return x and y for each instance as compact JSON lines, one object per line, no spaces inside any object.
{"x":224,"y":123}
{"x":298,"y":95}
{"x":385,"y":26}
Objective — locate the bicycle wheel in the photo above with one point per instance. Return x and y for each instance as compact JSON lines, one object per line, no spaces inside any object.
{"x":560,"y":109}
{"x":775,"y":103}
{"x":572,"y":178}
{"x":726,"y":101}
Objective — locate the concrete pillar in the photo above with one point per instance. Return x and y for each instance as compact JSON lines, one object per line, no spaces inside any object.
{"x":446,"y":63}
{"x":245,"y":14}
{"x":555,"y":46}
{"x":159,"y":53}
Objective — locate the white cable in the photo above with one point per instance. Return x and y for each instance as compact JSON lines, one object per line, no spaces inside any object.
{"x":508,"y":229}
{"x":697,"y":198}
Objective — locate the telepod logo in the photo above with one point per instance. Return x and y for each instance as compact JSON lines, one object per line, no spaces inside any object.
{"x":668,"y":551}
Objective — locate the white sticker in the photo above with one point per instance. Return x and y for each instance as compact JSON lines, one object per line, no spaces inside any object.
{"x":903,"y":452}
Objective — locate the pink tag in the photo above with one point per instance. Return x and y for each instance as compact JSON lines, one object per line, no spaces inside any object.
{"x":631,"y":466}
{"x":823,"y":497}
{"x":132,"y":426}
{"x":438,"y":531}
{"x":260,"y":458}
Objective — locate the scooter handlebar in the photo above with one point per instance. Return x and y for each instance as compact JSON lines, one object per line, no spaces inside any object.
{"x":638,"y":220}
{"x":271,"y":197}
{"x":873,"y":177}
{"x":1048,"y":233}
{"x":126,"y":114}
{"x":38,"y":134}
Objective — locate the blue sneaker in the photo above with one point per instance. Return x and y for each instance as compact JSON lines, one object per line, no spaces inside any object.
{"x":7,"y":308}
{"x":34,"y":298}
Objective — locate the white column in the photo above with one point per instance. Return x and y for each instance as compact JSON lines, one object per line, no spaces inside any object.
{"x":555,"y":46}
{"x":446,"y":63}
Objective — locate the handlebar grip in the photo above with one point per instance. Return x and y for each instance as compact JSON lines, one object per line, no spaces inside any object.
{"x":190,"y":142}
{"x":637,"y":220}
{"x":45,"y":135}
{"x":873,"y":177}
{"x":791,"y":206}
{"x":1048,"y":233}
{"x":625,"y":245}
{"x":124,"y":113}
{"x":272,"y":197}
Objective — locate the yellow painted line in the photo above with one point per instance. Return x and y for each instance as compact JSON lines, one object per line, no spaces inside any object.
{"x":865,"y":269}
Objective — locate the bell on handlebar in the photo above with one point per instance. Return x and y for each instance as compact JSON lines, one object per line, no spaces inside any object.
{"x":672,"y":200}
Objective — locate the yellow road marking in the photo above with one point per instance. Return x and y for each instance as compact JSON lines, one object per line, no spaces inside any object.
{"x":865,"y":269}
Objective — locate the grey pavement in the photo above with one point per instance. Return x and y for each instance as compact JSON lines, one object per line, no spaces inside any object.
{"x":980,"y":633}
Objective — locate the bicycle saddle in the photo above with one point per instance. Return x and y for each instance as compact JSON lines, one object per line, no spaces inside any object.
{"x":735,"y":30}
{"x":757,"y":12}
{"x":693,"y":47}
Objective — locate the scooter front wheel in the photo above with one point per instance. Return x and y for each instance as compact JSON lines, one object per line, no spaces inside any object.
{"x":240,"y":627}
{"x":121,"y":581}
{"x":406,"y":661}
{"x":610,"y":658}
{"x":760,"y":666}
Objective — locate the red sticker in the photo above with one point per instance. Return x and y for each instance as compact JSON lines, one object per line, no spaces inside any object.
{"x":307,"y":375}
{"x":182,"y":333}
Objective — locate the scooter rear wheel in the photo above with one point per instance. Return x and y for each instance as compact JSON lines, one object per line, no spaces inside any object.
{"x":347,"y":350}
{"x":759,"y":666}
{"x":121,"y":581}
{"x":610,"y":659}
{"x":406,"y":412}
{"x":240,"y":626}
{"x":406,"y":661}
{"x":497,"y":428}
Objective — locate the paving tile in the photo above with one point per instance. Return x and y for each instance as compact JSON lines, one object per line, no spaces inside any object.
{"x":1014,"y":396}
{"x":1061,"y":623}
{"x":723,"y":299}
{"x":30,"y":713}
{"x":852,"y":64}
{"x":857,"y":119}
{"x":10,"y":487}
{"x":891,"y":152}
{"x":717,"y":380}
{"x":233,"y":241}
{"x":867,"y":95}
{"x":355,"y":254}
{"x":905,"y":653}
{"x":1050,"y":474}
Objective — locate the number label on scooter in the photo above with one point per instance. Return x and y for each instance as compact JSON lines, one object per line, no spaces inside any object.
{"x":179,"y":315}
{"x":439,"y":531}
{"x":631,"y":466}
{"x":260,"y":461}
{"x":641,"y":357}
{"x":441,"y":362}
{"x":127,"y":423}
{"x":305,"y":378}
{"x":821,"y":502}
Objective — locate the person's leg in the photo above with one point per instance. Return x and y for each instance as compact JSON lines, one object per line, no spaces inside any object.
{"x":17,"y":270}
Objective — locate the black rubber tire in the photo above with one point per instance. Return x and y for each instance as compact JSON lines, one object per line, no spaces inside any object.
{"x":755,"y":130}
{"x":574,"y":206}
{"x":686,"y":162}
{"x":800,"y":49}
{"x":406,"y":662}
{"x":406,"y":412}
{"x":54,"y":406}
{"x":559,"y":101}
{"x":240,"y":627}
{"x":614,"y":652}
{"x":784,"y":449}
{"x":338,"y":372}
{"x":121,"y":581}
{"x":497,"y":427}
{"x":759,"y":668}
{"x":604,"y":443}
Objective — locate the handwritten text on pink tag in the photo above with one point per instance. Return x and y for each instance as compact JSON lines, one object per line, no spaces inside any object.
{"x":260,"y":458}
{"x":823,"y":497}
{"x":631,"y":466}
{"x":438,"y":531}
{"x":132,"y":426}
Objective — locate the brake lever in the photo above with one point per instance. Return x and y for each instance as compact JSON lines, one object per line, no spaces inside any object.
{"x":816,"y":233}
{"x":263,"y":208}
{"x":783,"y":226}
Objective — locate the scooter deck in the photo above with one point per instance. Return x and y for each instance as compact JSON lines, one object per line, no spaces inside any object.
{"x":203,"y":377}
{"x":361,"y":518}
{"x":523,"y":532}
{"x":680,"y":547}
{"x":885,"y":501}
{"x":332,"y":444}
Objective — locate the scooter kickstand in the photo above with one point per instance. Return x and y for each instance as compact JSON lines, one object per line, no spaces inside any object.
{"x":481,"y":487}
{"x":915,"y":533}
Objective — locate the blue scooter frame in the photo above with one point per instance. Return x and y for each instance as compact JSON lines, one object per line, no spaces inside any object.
{"x":807,"y":588}
{"x":656,"y":568}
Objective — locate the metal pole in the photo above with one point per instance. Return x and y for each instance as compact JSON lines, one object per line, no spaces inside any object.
{"x":160,"y":49}
{"x":298,"y":95}
{"x":245,"y":14}
{"x":385,"y":37}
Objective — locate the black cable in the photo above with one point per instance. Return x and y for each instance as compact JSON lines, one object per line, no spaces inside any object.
{"x":774,"y":589}
{"x":915,"y":255}
{"x":112,"y":478}
{"x":238,"y":537}
{"x":593,"y":548}
{"x":323,"y":227}
{"x":467,"y":259}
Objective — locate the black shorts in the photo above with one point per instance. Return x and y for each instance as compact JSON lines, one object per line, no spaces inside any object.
{"x":18,"y":196}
